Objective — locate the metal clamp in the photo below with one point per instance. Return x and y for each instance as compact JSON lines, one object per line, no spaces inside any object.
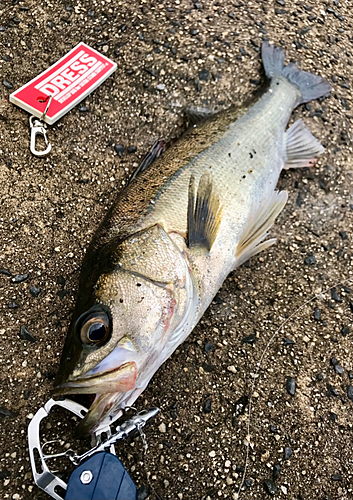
{"x":43,"y":477}
{"x":38,"y":128}
{"x":122,"y":431}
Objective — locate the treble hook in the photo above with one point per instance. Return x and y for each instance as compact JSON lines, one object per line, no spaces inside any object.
{"x":38,"y":128}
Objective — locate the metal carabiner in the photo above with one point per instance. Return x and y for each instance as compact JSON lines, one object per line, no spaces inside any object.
{"x":43,"y":477}
{"x":38,"y":128}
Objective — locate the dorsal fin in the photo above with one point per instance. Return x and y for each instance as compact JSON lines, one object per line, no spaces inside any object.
{"x":155,"y":152}
{"x":204,"y":213}
{"x":197,"y":114}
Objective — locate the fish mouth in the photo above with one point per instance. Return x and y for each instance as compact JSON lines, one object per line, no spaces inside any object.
{"x":121,"y":379}
{"x":106,"y":386}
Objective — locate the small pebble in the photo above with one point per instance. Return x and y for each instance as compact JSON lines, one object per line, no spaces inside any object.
{"x":25,"y":335}
{"x":20,"y":278}
{"x":332,"y":391}
{"x":276,"y":471}
{"x":160,"y":86}
{"x":287,"y":342}
{"x":338,"y":369}
{"x":317,"y":314}
{"x":337,"y":477}
{"x":335,"y":296}
{"x":60,"y":280}
{"x":310,"y":260}
{"x":26,"y":394}
{"x":207,"y":406}
{"x":333,"y":361}
{"x":119,"y":149}
{"x":203,"y":75}
{"x":34,"y":291}
{"x":142,"y":493}
{"x":8,"y":85}
{"x":132,"y":149}
{"x":343,"y":235}
{"x":208,"y":367}
{"x":5,"y":272}
{"x":291,"y":386}
{"x":62,"y":293}
{"x":287,"y":453}
{"x":249,"y":339}
{"x":284,"y":489}
{"x":13,"y":305}
{"x":345,"y":331}
{"x":350,"y":392}
{"x":4,"y":473}
{"x":4,"y":412}
{"x":209,"y":347}
{"x":270,"y":487}
{"x":162,"y":428}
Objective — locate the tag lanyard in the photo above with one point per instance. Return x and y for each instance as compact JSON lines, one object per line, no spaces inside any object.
{"x":39,"y":127}
{"x":62,"y":86}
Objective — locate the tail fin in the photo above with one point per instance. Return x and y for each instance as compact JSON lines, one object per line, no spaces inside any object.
{"x":311,"y":86}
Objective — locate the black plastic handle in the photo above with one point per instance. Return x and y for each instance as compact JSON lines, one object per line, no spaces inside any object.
{"x":101,"y":477}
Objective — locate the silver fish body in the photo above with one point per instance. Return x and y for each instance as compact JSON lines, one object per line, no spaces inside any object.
{"x":173,"y":236}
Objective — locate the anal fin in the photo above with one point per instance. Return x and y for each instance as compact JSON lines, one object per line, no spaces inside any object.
{"x":204,"y":213}
{"x":302,"y":148}
{"x":258,"y":226}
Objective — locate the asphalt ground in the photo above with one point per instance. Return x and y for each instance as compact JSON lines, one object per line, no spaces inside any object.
{"x":170,"y":55}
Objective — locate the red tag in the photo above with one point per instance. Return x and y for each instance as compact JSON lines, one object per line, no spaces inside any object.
{"x":69,"y":81}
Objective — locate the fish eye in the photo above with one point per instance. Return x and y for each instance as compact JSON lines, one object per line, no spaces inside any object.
{"x":94,"y":327}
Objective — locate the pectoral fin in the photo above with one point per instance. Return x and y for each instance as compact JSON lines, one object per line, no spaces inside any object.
{"x":257,"y":228}
{"x":302,"y":148}
{"x":204,"y":213}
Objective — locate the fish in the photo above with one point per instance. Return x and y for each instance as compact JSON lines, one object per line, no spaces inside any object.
{"x":188,"y":218}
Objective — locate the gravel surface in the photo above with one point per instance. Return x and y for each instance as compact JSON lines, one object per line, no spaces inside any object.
{"x":169,"y":55}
